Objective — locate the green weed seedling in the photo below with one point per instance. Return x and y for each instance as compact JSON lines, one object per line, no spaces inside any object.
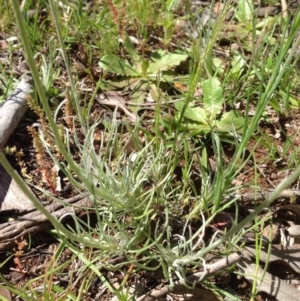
{"x":248,"y":28}
{"x":141,"y":74}
{"x":200,"y":120}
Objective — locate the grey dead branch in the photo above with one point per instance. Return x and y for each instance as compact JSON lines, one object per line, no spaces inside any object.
{"x":11,"y":113}
{"x":13,"y":110}
{"x":11,"y":196}
{"x":262,"y":195}
{"x":33,"y":222}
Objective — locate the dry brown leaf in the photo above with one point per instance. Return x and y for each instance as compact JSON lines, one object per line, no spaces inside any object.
{"x":5,"y":293}
{"x":268,"y":283}
{"x":271,"y":232}
{"x":218,"y":7}
{"x":115,"y":99}
{"x":289,"y":255}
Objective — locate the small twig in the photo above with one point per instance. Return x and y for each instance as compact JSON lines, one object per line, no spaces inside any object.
{"x":264,"y":175}
{"x":262,"y":195}
{"x":210,"y":269}
{"x":284,"y":8}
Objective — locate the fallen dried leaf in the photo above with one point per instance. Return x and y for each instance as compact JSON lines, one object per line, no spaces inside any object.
{"x":268,"y":283}
{"x":289,"y":255}
{"x":115,"y":99}
{"x":294,"y":230}
{"x":5,"y":293}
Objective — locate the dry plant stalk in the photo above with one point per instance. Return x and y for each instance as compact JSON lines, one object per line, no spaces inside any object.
{"x":18,"y":252}
{"x":18,"y":154}
{"x":48,"y":176}
{"x":117,"y":16}
{"x":44,"y":167}
{"x":38,"y":111}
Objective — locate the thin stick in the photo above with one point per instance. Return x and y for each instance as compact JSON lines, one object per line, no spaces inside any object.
{"x":210,"y":269}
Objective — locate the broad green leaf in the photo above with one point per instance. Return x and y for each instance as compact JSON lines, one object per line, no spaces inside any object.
{"x":156,"y":93}
{"x":118,"y":84}
{"x":212,"y":97}
{"x":166,"y":76}
{"x":161,"y":61}
{"x":196,"y":114}
{"x":231,"y":121}
{"x":219,"y":65}
{"x":204,"y":158}
{"x":245,"y":12}
{"x":144,"y":68}
{"x":192,"y":127}
{"x":114,"y":64}
{"x":196,"y":129}
{"x":238,"y":64}
{"x":237,"y":30}
{"x":138,"y":95}
{"x":268,"y":22}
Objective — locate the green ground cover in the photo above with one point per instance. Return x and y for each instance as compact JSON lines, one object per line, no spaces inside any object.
{"x":150,"y":107}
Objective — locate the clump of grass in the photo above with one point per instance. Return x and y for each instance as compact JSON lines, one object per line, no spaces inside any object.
{"x":149,"y":208}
